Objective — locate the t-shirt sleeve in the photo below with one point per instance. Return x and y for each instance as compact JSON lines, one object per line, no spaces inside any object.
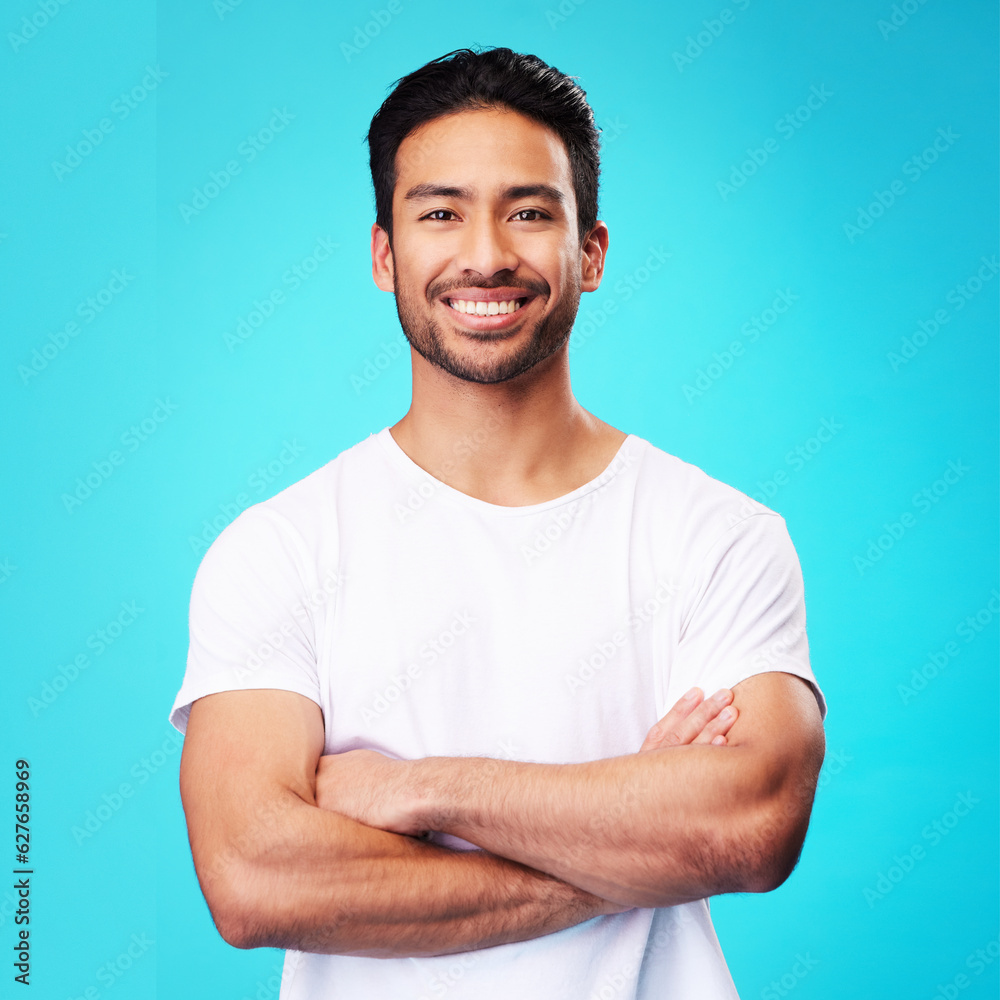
{"x":250,"y":623}
{"x":747,"y":614}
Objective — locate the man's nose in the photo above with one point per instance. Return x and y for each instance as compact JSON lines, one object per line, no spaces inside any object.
{"x":486,"y":247}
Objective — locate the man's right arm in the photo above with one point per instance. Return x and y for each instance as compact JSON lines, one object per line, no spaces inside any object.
{"x":277,"y":871}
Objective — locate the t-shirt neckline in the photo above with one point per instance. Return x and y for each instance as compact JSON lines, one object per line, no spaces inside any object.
{"x":622,"y":459}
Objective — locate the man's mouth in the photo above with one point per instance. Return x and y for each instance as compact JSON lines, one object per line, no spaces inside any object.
{"x":479,"y":307}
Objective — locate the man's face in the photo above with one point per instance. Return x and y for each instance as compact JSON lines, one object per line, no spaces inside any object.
{"x":484,"y":221}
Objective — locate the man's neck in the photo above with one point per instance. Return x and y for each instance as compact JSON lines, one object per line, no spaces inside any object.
{"x":515,"y":443}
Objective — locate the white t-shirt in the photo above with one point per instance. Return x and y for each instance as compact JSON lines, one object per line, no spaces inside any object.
{"x":425,"y":622}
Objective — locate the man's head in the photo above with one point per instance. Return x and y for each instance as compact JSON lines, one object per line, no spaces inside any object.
{"x":465,"y":80}
{"x":485,"y":169}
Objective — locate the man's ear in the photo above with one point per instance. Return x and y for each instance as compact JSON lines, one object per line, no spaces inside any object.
{"x":383,"y":266}
{"x":593,"y":254}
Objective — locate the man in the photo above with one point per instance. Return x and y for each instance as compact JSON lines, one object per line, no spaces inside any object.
{"x":422,"y":693}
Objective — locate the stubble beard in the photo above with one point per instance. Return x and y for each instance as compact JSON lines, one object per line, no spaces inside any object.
{"x":425,"y":337}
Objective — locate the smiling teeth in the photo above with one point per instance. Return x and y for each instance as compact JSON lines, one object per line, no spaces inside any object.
{"x":480,"y":308}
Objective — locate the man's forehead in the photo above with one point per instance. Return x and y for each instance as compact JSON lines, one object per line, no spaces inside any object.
{"x":440,"y":151}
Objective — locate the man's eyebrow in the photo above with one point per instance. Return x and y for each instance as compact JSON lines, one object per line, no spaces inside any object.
{"x":545,"y":191}
{"x":513,"y":193}
{"x":438,"y":191}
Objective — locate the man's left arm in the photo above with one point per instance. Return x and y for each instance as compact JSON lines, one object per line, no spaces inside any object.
{"x":657,"y":828}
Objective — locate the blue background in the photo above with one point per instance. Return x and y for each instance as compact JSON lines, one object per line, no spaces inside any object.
{"x":685,"y":106}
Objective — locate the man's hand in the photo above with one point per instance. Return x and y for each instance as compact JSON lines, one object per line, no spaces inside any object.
{"x":369,"y":787}
{"x":377,"y":790}
{"x":694,"y":720}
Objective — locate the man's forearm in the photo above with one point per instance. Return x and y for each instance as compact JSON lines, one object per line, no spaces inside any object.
{"x":667,"y":825}
{"x":645,"y":829}
{"x":381,"y":894}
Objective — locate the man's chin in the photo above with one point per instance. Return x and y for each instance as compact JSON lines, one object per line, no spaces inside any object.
{"x":485,"y":357}
{"x":481,"y":374}
{"x":492,"y":371}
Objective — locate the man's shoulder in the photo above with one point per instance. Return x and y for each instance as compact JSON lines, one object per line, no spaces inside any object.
{"x":313,"y":493}
{"x":697,"y":524}
{"x":299,"y":516}
{"x":689,"y":492}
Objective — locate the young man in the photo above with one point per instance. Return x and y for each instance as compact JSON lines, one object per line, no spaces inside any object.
{"x":423,"y":681}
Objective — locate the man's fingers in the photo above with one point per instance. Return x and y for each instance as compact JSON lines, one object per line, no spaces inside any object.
{"x":661,"y":734}
{"x":718,"y":727}
{"x":693,"y":720}
{"x":713,"y":717}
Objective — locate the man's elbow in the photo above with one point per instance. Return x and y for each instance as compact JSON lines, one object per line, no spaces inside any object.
{"x":774,"y":844}
{"x":772,"y":870}
{"x":247,"y":893}
{"x":248,"y":878}
{"x":757,"y":855}
{"x":777,"y":821}
{"x":239,"y":913}
{"x":254,"y":905}
{"x":236,"y":930}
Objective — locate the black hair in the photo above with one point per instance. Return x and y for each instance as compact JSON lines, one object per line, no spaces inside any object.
{"x":466,"y":80}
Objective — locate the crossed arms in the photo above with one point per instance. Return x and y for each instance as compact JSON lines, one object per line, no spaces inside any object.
{"x":321,"y":853}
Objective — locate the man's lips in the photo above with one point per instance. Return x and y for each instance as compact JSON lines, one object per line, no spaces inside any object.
{"x":486,"y":308}
{"x":476,"y":294}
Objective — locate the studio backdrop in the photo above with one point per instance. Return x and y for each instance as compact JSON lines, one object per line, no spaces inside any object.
{"x":800,"y":298}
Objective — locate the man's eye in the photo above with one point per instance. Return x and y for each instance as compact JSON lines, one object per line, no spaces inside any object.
{"x":529,"y":211}
{"x":438,"y":213}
